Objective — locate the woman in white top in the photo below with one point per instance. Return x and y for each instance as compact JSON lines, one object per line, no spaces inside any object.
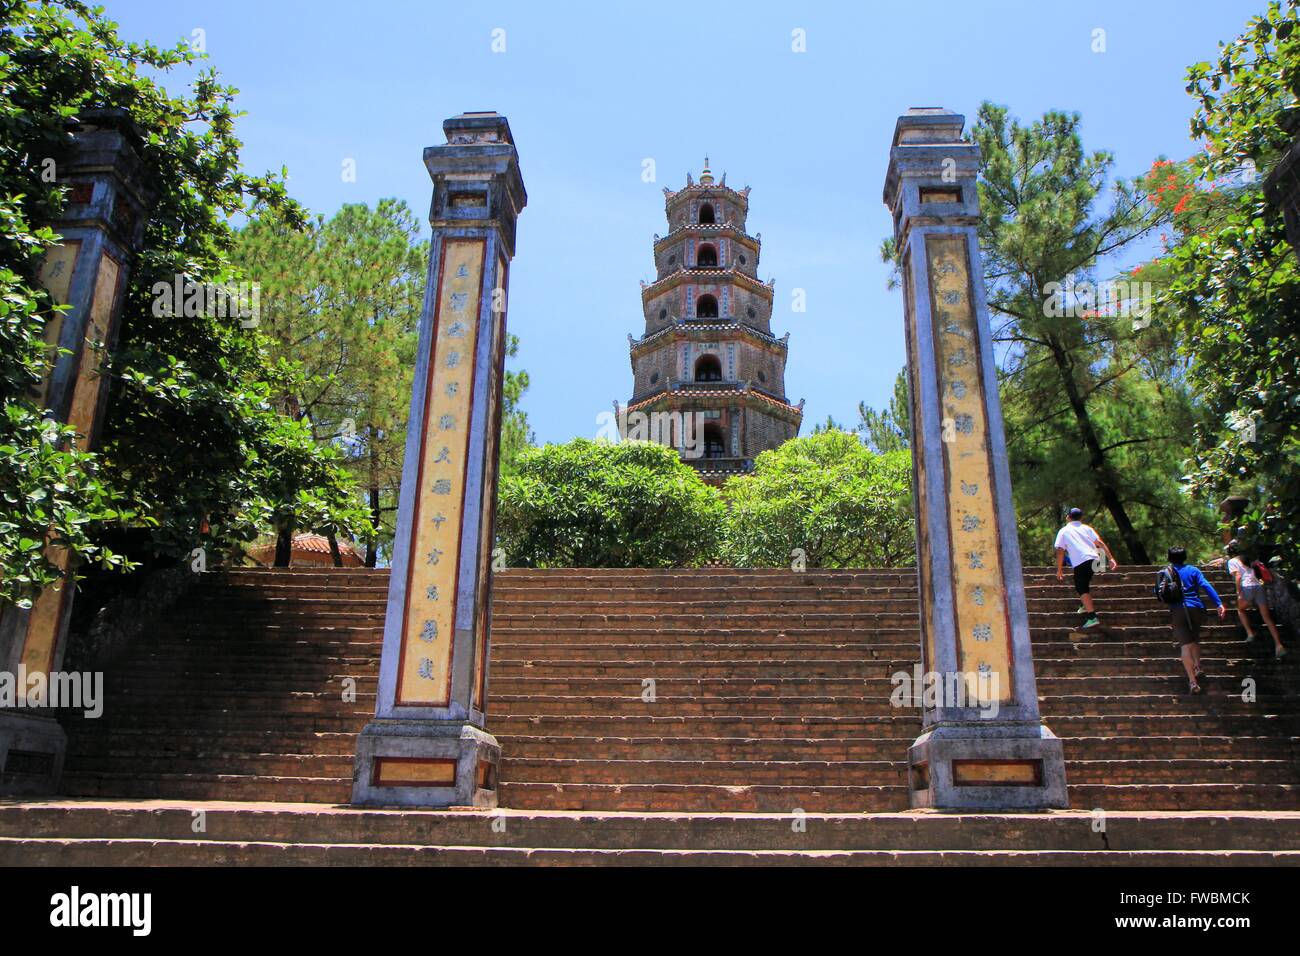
{"x":1250,"y":593}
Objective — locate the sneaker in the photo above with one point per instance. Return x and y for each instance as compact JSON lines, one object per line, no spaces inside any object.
{"x":1251,"y":636}
{"x":1195,"y":688}
{"x":1091,"y":622}
{"x":1081,"y":610}
{"x":1279,"y":653}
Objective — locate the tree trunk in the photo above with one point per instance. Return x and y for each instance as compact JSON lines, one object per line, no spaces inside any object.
{"x":1101,"y":474}
{"x":284,"y":546}
{"x":337,"y":555}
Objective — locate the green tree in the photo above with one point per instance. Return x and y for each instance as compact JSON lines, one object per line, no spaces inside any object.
{"x":516,"y":434}
{"x":1233,"y":291}
{"x":826,"y":495}
{"x":190,"y":428}
{"x":890,"y":428}
{"x":342,"y":299}
{"x":595,"y":504}
{"x":1094,"y":415}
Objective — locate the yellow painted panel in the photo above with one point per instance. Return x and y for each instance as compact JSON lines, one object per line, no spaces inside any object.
{"x":983,"y":636}
{"x":43,"y":622}
{"x":978,"y":773}
{"x":85,"y":394}
{"x":400,"y":771}
{"x":424,"y":678}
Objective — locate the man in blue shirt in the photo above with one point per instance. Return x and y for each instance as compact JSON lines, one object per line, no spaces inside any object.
{"x":1186,"y":618}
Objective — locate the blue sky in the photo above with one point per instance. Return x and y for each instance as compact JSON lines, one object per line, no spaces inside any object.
{"x":593,"y":89}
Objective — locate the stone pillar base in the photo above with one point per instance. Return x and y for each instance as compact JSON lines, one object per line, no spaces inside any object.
{"x":423,"y":763}
{"x":32,"y":749}
{"x":1004,"y":767}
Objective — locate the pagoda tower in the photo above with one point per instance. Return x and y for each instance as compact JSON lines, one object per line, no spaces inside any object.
{"x":708,"y":353}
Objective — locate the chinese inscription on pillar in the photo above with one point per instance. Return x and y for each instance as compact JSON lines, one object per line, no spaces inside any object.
{"x":424,"y":677}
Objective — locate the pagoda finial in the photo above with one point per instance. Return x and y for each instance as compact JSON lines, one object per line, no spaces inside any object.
{"x":706,"y":175}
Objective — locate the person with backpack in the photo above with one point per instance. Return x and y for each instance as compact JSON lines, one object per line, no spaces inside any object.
{"x":1179,"y":585}
{"x":1080,"y":542}
{"x":1251,"y":576}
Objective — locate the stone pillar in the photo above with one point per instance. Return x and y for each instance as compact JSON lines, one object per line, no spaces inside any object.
{"x":102,"y":228}
{"x":427,"y":746}
{"x":983,"y":745}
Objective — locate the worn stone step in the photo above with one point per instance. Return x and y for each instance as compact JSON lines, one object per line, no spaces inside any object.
{"x":1181,"y":796}
{"x":1181,"y":770}
{"x":166,"y":761}
{"x":306,"y":823}
{"x":876,"y":748}
{"x":28,"y":852}
{"x":702,"y":798}
{"x":207,"y":786}
{"x":787,"y":773}
{"x":127,"y":741}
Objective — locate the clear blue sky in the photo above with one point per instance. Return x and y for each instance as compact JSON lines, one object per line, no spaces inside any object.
{"x":593,"y":89}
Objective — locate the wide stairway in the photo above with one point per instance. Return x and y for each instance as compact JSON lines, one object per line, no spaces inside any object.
{"x":617,"y":695}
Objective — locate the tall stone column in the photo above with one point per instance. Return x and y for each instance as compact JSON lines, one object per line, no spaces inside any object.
{"x":983,"y":745}
{"x":102,"y":228}
{"x":427,"y":746}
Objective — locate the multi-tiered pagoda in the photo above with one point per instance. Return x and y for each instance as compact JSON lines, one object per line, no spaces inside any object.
{"x":708,"y":346}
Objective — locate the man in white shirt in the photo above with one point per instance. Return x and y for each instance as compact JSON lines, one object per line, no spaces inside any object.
{"x":1080,"y":542}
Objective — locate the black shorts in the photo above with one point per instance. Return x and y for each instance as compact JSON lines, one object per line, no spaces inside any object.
{"x":1083,"y":577}
{"x":1186,"y":622}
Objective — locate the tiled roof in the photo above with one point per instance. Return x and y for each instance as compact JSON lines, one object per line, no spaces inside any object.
{"x":716,"y":227}
{"x":680,"y":326}
{"x":703,"y":275}
{"x":310,"y":544}
{"x":726,"y":390}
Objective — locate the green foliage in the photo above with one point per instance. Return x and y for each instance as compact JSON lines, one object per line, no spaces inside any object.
{"x":594,"y":504}
{"x":1233,"y":291}
{"x":341,"y":299}
{"x":890,"y":428}
{"x":191,"y":448}
{"x":516,"y":435}
{"x":827,"y":495}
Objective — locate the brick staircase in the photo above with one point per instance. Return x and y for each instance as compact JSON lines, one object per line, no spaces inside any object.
{"x":619,"y":696}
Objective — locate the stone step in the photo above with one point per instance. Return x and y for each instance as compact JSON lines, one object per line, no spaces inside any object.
{"x":717,"y":602}
{"x":1180,"y":796}
{"x":206,"y":786}
{"x":129,"y":741}
{"x":156,"y":676}
{"x":97,"y":852}
{"x":902,"y":653}
{"x":308,"y":823}
{"x":234,"y":763}
{"x":878,"y":748}
{"x":1164,"y":770}
{"x":740,"y":704}
{"x":702,"y":798}
{"x":787,"y":773}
